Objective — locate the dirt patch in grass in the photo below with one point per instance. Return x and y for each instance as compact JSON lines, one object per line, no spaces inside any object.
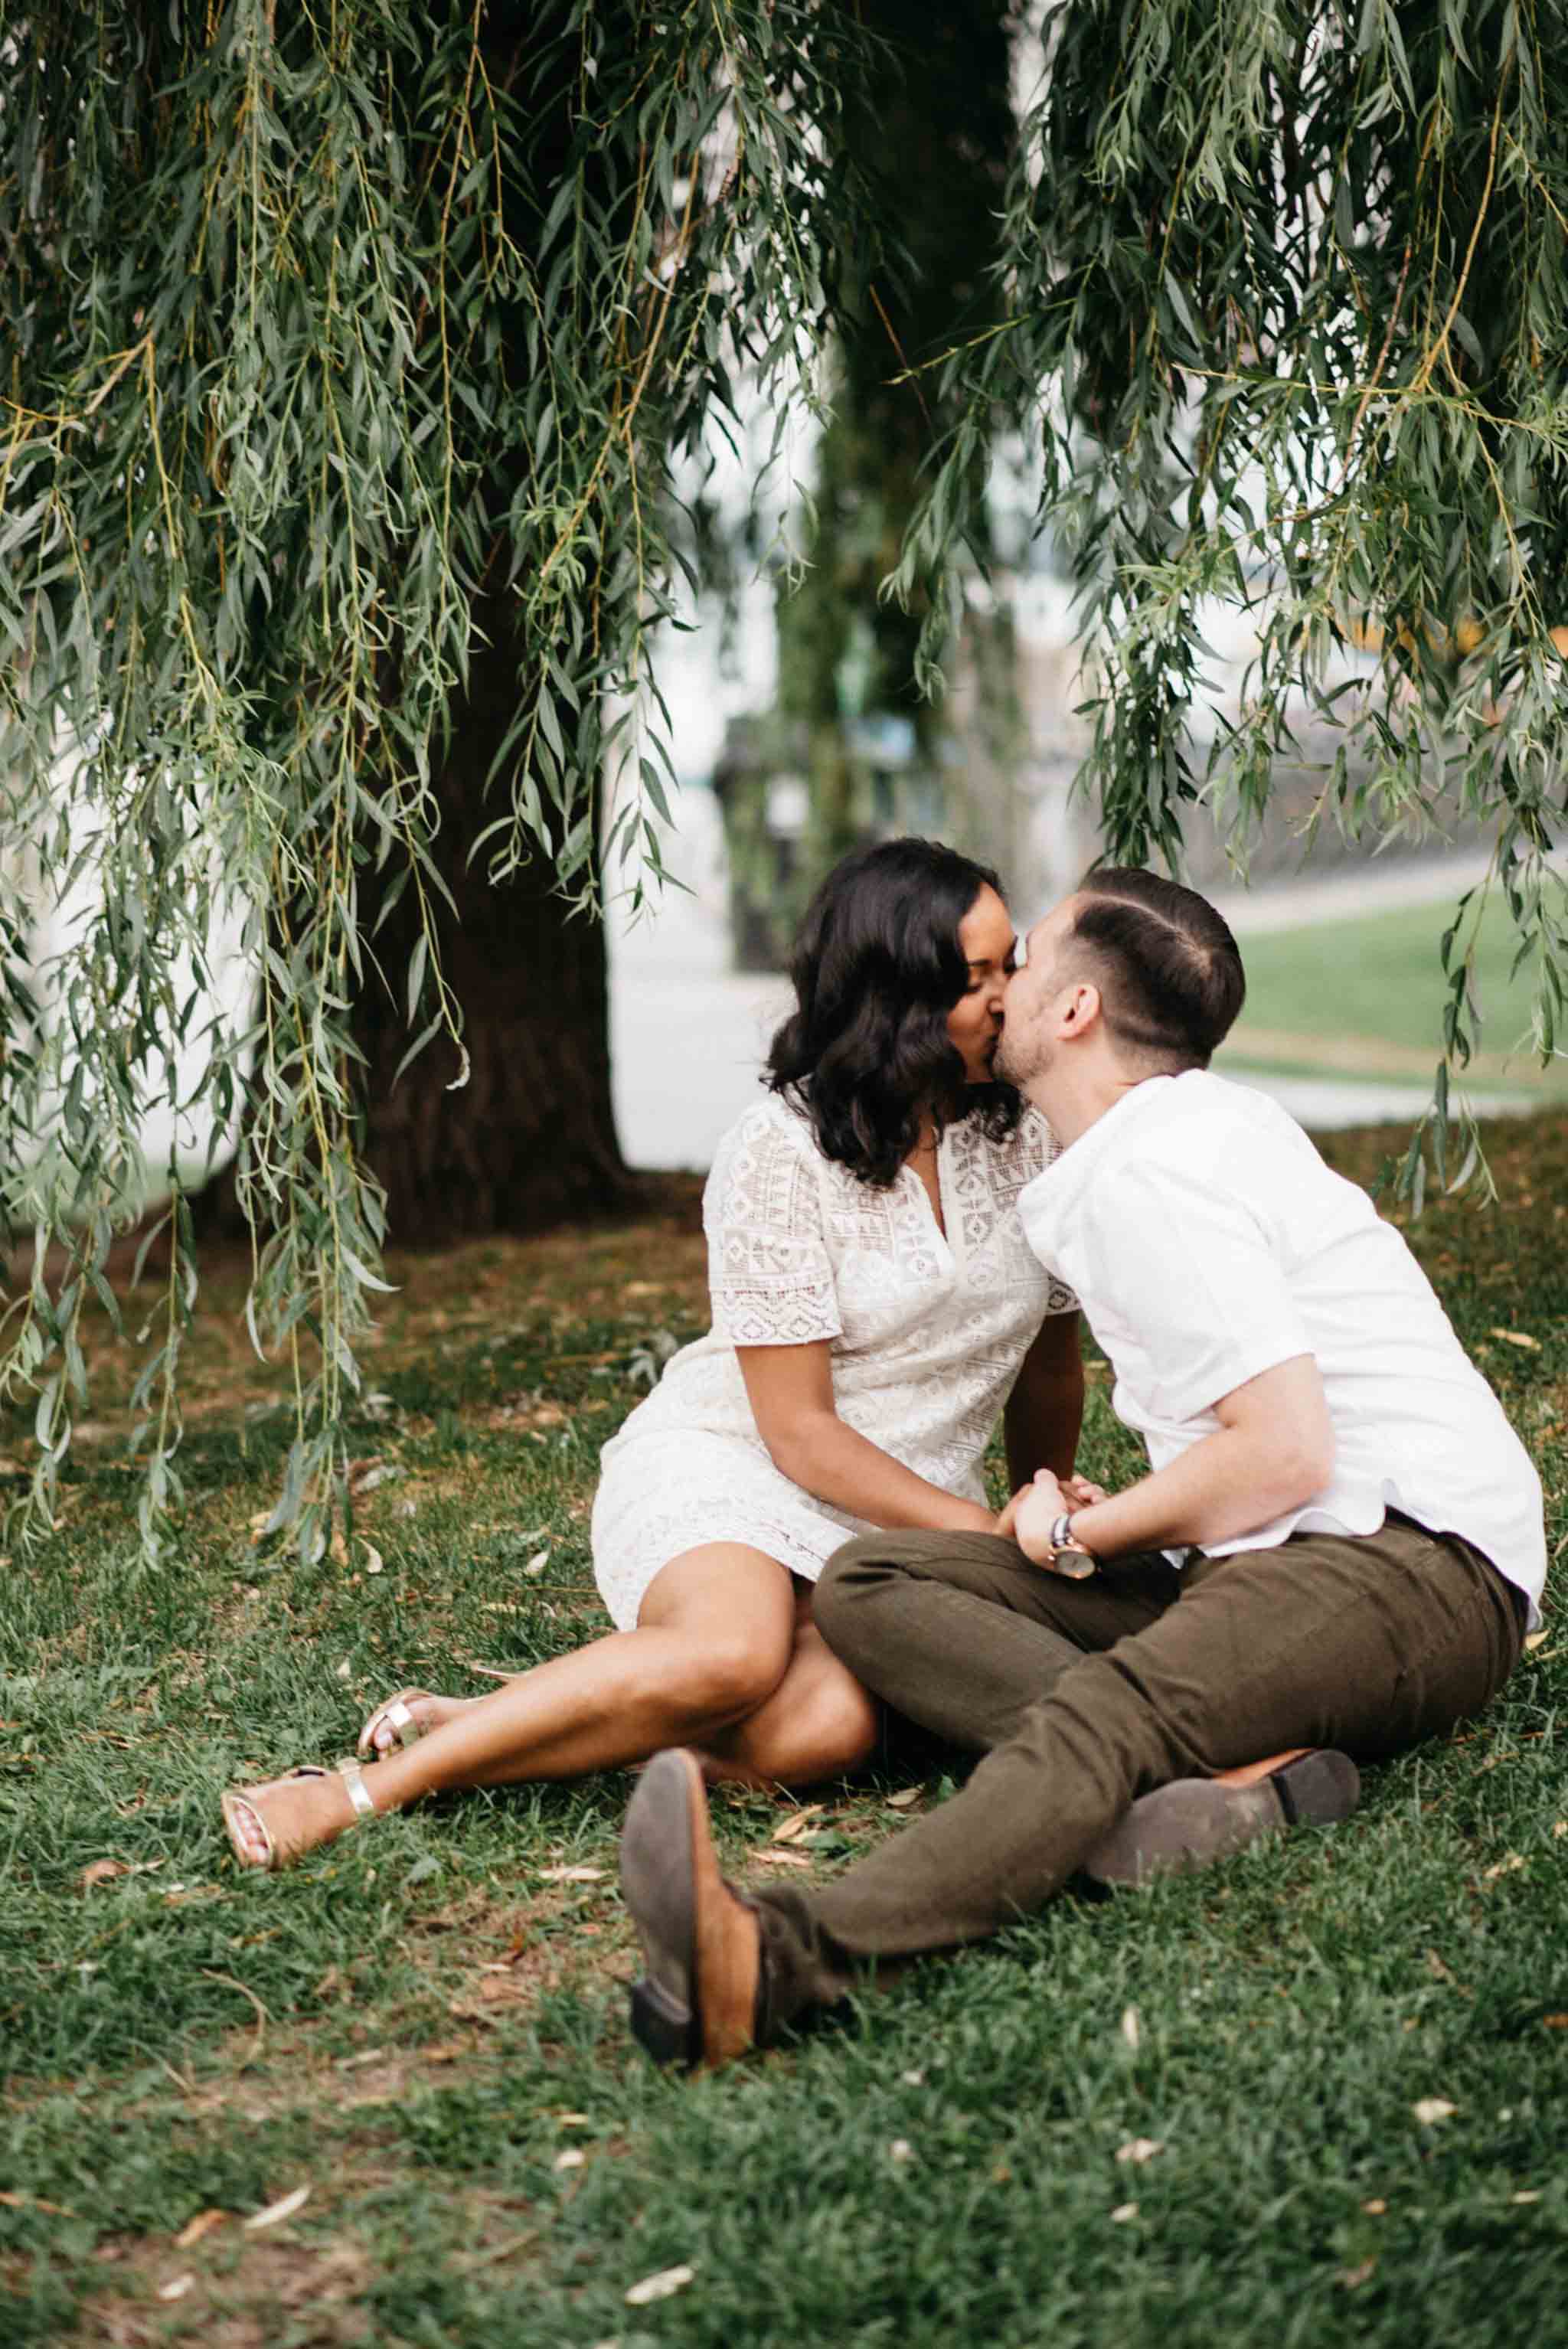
{"x":229,"y":2290}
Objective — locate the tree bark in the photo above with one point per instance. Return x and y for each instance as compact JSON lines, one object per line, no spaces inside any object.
{"x":531,"y":1138}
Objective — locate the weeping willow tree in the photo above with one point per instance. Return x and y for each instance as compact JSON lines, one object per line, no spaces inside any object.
{"x":345,"y":360}
{"x":1287,"y":320}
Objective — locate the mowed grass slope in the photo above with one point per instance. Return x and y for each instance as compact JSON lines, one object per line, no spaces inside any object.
{"x":1367,"y":997}
{"x":1314,"y":2096}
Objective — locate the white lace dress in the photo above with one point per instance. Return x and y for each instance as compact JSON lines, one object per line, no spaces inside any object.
{"x":926,"y":1335}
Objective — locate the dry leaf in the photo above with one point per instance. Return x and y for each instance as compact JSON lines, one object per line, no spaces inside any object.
{"x":1518,"y":1337}
{"x":905,"y":1798}
{"x":667,"y":2281}
{"x":1130,"y":2030}
{"x":374,"y":1561}
{"x":1526,"y":2194}
{"x":573,"y":2120}
{"x":912,"y":2079}
{"x":383,"y":1471}
{"x":444,"y":2051}
{"x":1122,"y":2213}
{"x":1141,"y":2149}
{"x":101,"y":1871}
{"x":1533,"y":1639}
{"x":1352,"y":2278}
{"x":572,"y":2159}
{"x":1502,"y":1868}
{"x":344,"y":1671}
{"x":784,"y":1858}
{"x":538,"y":1562}
{"x":176,"y":2287}
{"x":799,"y":1824}
{"x":1377,"y":2208}
{"x":276,"y":2212}
{"x":1430,"y":2110}
{"x":572,"y":1875}
{"x":35,"y":2202}
{"x":1554,"y":2022}
{"x":194,"y":2229}
{"x":1437,"y":1969}
{"x":1560,"y":1828}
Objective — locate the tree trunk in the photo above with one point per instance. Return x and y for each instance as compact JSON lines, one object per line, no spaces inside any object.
{"x":531,"y":1138}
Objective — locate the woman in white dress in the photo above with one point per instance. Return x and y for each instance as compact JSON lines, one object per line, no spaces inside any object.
{"x":875,"y":1305}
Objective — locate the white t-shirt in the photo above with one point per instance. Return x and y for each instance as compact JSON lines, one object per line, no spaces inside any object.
{"x":1207,"y":1242}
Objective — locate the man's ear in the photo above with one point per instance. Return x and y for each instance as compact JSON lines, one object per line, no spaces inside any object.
{"x":1081,"y":1010}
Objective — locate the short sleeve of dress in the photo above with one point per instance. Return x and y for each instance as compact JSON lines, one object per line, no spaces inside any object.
{"x":768,"y":1269}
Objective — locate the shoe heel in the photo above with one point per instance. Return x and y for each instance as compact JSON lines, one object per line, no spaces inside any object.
{"x":666,"y":2030}
{"x":1319,"y":1788}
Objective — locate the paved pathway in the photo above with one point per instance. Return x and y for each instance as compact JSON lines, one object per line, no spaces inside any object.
{"x":688,"y":1033}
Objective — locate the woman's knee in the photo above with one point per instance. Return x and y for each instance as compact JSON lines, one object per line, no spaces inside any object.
{"x":727,"y":1674}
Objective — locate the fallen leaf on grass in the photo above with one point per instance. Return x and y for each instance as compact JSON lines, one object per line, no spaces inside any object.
{"x":1377,"y":2208}
{"x":901,"y":2149}
{"x":1518,"y":1337}
{"x":538,"y":1562}
{"x":101,"y":1871}
{"x":792,"y":1828}
{"x":661,"y":2286}
{"x":194,"y":2229}
{"x":374,"y":1561}
{"x":1430,"y":2110}
{"x":573,"y":1875}
{"x":35,"y":2202}
{"x":1141,"y":2149}
{"x":905,"y":1798}
{"x":1526,"y":2194}
{"x":784,"y":1858}
{"x":1554,"y":2022}
{"x":1502,"y":1868}
{"x":176,"y":2287}
{"x":1132,"y":2030}
{"x":444,"y":2051}
{"x":1122,"y":2213}
{"x":1560,"y":1828}
{"x":574,"y":2157}
{"x":276,"y":2212}
{"x":382,"y":1473}
{"x":1352,"y":2278}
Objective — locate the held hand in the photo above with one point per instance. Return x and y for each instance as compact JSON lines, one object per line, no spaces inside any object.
{"x":1079,"y":1493}
{"x":1034,"y":1512}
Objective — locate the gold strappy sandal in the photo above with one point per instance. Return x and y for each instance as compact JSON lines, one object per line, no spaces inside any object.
{"x":282,"y":1851}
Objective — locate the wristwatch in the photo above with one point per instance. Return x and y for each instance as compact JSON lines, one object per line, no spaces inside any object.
{"x":1073,"y":1559}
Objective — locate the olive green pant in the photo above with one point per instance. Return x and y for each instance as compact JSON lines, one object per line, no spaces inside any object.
{"x":1081,"y":1696}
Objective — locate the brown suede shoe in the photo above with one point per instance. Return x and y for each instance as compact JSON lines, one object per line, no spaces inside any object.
{"x":1193,"y":1820}
{"x":697,"y":2003}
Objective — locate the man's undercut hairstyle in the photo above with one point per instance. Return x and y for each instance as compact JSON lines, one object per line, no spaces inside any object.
{"x":877,"y":967}
{"x":1169,"y":972}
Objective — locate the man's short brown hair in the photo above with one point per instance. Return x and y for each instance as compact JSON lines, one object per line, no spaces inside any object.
{"x":1169,"y":971}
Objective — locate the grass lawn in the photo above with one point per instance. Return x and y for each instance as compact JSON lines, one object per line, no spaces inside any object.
{"x":1367,"y":995}
{"x":1197,"y":2118}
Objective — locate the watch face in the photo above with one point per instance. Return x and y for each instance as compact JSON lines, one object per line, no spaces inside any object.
{"x":1075,"y":1564}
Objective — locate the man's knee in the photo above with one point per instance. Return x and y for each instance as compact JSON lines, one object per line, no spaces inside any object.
{"x":853,"y":1579}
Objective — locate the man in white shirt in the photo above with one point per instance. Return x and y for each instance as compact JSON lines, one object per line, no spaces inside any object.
{"x":1339,"y":1543}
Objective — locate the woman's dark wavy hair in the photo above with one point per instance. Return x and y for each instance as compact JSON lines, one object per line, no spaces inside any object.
{"x":877,"y":967}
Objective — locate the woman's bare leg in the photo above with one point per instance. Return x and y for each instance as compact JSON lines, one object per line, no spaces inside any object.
{"x":714,"y":1640}
{"x":817,"y":1723}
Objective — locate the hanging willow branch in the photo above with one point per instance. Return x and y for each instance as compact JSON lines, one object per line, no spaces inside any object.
{"x":319,"y":327}
{"x":1286,"y":316}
